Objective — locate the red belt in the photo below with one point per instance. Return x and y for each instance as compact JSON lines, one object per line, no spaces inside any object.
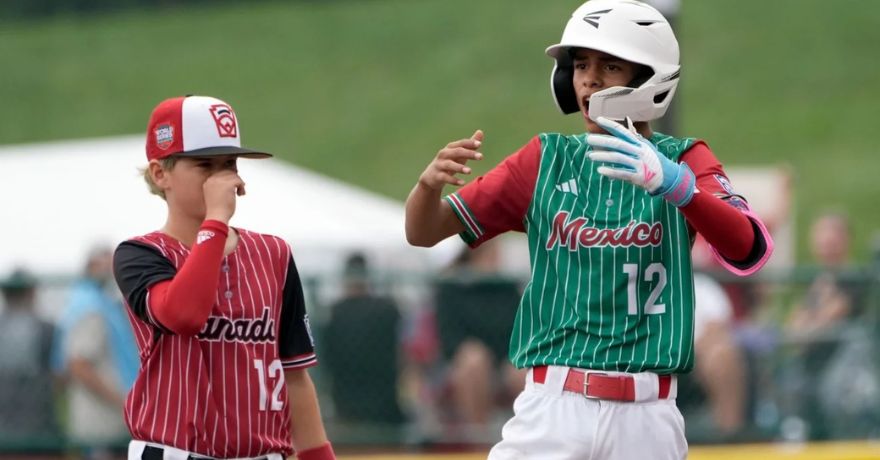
{"x":602,"y":386}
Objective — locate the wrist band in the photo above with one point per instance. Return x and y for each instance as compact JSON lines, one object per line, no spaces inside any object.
{"x":215,"y":226}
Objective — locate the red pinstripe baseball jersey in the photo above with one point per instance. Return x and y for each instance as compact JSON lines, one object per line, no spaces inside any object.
{"x":219,"y":393}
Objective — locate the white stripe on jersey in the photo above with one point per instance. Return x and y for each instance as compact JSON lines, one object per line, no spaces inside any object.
{"x":602,"y":181}
{"x":575,"y":313}
{"x":248,"y":359}
{"x":542,"y":201}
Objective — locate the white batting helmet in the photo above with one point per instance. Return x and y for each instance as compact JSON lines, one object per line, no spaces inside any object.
{"x":629,"y":30}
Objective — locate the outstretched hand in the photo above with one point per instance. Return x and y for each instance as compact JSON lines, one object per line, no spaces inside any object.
{"x":628,"y":156}
{"x":451,"y":161}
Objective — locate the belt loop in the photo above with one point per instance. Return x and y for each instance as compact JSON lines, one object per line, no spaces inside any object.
{"x":136,"y":450}
{"x":554,"y":383}
{"x":673,"y":387}
{"x":647,"y":386}
{"x":152,"y":453}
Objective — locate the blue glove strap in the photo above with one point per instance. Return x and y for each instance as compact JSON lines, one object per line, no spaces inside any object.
{"x":678,"y":184}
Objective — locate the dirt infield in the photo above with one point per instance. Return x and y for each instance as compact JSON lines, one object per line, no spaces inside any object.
{"x":860,"y":450}
{"x":856,"y":450}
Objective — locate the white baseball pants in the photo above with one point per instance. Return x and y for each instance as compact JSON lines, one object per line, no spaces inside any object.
{"x":552,"y":424}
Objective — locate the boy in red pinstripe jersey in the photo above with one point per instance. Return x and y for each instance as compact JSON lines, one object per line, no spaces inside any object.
{"x":217,"y":311}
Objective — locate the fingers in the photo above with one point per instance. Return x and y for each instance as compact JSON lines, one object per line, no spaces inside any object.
{"x":226,"y":180}
{"x":603,"y":142}
{"x":453,"y":167}
{"x":478,"y":135}
{"x":451,"y":161}
{"x":615,"y":158}
{"x":446,"y":171}
{"x":615,"y":173}
{"x":617,"y":130}
{"x":474,"y":142}
{"x":220,"y":191}
{"x":447,"y":178}
{"x":459,"y":155}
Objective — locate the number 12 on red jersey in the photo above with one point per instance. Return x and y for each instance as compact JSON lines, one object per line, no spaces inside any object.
{"x":276,"y":372}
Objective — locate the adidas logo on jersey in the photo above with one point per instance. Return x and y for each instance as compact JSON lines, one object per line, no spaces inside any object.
{"x":569,"y":186}
{"x":574,"y":233}
{"x":204,"y":235}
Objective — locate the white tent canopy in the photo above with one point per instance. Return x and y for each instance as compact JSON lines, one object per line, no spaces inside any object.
{"x":62,"y":198}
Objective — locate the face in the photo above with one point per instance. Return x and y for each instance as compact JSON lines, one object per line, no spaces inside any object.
{"x":183,"y":183}
{"x":100,"y":266}
{"x":830,"y":240}
{"x":595,"y":71}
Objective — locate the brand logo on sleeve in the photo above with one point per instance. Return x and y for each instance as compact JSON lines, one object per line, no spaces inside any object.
{"x":575,"y":233}
{"x":204,"y":235}
{"x":725,"y":184}
{"x":309,"y":329}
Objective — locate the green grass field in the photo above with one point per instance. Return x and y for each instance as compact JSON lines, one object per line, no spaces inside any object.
{"x":367,"y":91}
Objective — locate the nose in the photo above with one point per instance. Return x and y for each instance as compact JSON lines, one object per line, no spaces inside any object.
{"x":592,"y":79}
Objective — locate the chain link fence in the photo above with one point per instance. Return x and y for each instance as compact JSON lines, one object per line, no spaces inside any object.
{"x":390,"y":347}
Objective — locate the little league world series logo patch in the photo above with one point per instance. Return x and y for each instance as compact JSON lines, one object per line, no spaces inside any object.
{"x":164,"y":136}
{"x":224,"y":118}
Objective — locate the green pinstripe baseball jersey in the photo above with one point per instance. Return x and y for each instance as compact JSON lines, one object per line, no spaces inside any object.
{"x":611,"y":283}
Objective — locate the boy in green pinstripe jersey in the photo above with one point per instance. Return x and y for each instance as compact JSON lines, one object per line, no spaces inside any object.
{"x":606,"y":320}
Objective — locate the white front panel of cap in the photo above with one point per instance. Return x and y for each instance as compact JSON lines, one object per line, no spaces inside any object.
{"x":208,"y":122}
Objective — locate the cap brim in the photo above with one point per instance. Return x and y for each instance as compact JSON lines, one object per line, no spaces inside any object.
{"x":223,"y":151}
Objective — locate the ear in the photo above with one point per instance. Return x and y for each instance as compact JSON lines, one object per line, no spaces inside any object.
{"x":158,"y":174}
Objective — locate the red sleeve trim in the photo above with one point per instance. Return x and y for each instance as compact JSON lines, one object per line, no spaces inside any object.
{"x":299,"y":362}
{"x":498,"y":201}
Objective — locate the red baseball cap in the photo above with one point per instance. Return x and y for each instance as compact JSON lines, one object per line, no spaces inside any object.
{"x":197,"y":126}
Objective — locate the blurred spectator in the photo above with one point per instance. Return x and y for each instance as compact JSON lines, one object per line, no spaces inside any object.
{"x":95,"y":350}
{"x":361,"y":350}
{"x":822,"y":333}
{"x":829,"y":299}
{"x":720,"y":369}
{"x":27,"y":415}
{"x":475,"y":311}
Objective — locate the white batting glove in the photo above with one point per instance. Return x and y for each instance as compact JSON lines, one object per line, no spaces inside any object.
{"x":634,"y":159}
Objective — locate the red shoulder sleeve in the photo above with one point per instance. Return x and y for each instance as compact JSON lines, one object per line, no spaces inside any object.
{"x":498,"y":201}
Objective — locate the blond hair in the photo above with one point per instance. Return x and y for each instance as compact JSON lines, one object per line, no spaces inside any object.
{"x":167,"y":164}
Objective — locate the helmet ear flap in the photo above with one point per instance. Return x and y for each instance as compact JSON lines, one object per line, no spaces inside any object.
{"x":563,"y":88}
